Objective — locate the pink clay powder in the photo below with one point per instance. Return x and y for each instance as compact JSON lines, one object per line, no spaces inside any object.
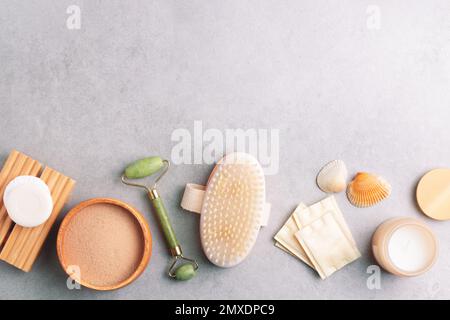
{"x":106,"y":242}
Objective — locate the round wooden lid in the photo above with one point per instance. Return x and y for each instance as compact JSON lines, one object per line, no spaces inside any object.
{"x":433,"y":194}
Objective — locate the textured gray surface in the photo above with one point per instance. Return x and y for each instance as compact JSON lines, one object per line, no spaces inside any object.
{"x":88,"y":101}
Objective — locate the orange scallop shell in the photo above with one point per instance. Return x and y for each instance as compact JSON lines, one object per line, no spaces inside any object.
{"x":367,"y":189}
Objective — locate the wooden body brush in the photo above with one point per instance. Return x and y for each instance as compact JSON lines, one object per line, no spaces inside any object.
{"x":232,"y":206}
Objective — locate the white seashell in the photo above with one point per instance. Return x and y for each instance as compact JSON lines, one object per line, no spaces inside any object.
{"x":333,"y":177}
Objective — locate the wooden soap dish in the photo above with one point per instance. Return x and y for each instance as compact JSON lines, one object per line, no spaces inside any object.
{"x":20,"y":246}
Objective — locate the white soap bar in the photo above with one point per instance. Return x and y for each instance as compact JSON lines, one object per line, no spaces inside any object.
{"x":28,"y":201}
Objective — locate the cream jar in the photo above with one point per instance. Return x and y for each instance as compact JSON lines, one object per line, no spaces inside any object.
{"x":405,"y":246}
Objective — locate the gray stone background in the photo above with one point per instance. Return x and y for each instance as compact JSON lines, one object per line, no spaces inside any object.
{"x":89,"y":101}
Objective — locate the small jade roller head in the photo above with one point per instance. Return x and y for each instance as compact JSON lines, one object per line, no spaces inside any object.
{"x":144,"y":167}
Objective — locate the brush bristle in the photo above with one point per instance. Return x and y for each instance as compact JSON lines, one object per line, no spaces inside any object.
{"x":232,"y":210}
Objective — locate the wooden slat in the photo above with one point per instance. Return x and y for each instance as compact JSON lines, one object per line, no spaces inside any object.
{"x":17,"y":164}
{"x":24,"y":244}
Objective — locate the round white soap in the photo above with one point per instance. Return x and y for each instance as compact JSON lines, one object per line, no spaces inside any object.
{"x":28,"y":201}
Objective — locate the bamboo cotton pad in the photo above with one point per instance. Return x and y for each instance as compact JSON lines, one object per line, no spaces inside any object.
{"x":319,"y":236}
{"x":433,"y":194}
{"x":28,"y":201}
{"x":104,"y":244}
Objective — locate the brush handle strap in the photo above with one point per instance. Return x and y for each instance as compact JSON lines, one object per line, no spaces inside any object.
{"x":194,"y":195}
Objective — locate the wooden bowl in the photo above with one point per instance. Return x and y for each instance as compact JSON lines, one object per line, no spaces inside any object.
{"x":147,"y":238}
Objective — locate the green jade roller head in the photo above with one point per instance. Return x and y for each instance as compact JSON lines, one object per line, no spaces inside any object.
{"x":182,"y":268}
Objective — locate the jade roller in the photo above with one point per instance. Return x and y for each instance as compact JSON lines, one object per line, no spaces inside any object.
{"x":182,"y":268}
